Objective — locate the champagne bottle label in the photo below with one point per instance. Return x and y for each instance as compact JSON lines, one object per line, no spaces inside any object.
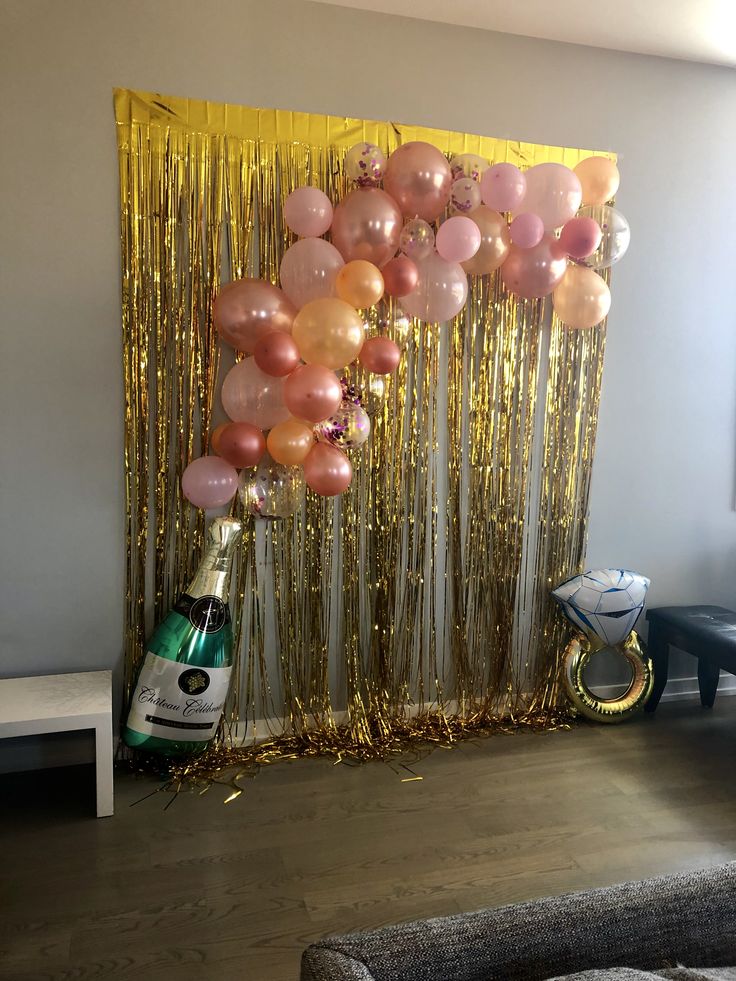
{"x":177,"y":701}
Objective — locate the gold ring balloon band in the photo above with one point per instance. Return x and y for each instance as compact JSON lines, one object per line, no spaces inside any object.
{"x":577,"y":655}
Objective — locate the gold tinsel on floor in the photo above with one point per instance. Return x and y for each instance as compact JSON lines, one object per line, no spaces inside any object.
{"x":426,"y":584}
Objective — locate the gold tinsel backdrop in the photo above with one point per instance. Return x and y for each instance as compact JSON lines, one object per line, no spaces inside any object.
{"x":417,"y":604}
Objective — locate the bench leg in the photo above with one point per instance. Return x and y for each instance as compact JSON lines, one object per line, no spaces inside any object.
{"x":658,"y":648}
{"x":708,"y":675}
{"x":103,"y":767}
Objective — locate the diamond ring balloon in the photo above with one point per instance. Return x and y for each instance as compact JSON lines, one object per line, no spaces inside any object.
{"x":603,"y":603}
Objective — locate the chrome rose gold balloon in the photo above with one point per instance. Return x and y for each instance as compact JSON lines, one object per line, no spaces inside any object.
{"x":312,"y":392}
{"x":494,"y":241}
{"x":327,"y":470}
{"x":400,"y":276}
{"x":277,"y":354}
{"x":247,"y":309}
{"x":582,"y":299}
{"x":367,"y":225}
{"x":533,"y":273}
{"x":380,"y":355}
{"x":241,"y":444}
{"x":418,"y":178}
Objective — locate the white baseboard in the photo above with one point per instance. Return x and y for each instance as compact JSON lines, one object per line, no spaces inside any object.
{"x":678,"y":689}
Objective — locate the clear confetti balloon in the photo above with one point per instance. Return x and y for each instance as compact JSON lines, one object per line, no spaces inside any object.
{"x":271,"y":490}
{"x":417,"y":239}
{"x":468,"y":165}
{"x":464,"y":196}
{"x":614,"y":240}
{"x":366,"y":390}
{"x":365,"y":164}
{"x":349,"y":428}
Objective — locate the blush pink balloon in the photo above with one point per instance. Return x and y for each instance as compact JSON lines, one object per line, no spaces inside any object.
{"x":367,"y":225}
{"x":503,"y":187}
{"x":277,"y":354}
{"x":249,"y":308}
{"x":327,"y":470}
{"x":580,"y":237}
{"x":209,"y":482}
{"x":526,"y":230}
{"x":241,"y":444}
{"x":458,"y":239}
{"x":419,"y":179}
{"x":533,"y":273}
{"x":312,"y":392}
{"x":250,"y":395}
{"x":553,"y":192}
{"x":309,"y":270}
{"x":308,"y":212}
{"x":380,"y":355}
{"x":400,"y":276}
{"x":441,"y":291}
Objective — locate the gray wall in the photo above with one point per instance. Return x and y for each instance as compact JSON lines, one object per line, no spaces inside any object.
{"x":664,"y":475}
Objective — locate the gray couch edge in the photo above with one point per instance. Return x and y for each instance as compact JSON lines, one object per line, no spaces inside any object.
{"x":688,"y":918}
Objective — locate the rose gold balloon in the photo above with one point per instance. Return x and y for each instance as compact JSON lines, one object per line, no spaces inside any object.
{"x":277,"y":354}
{"x":327,"y":470}
{"x":494,"y":241}
{"x":599,"y":179}
{"x":400,"y":276}
{"x":359,"y":283}
{"x":380,"y":355}
{"x":215,"y":436}
{"x":535,"y":272}
{"x":367,"y":225}
{"x":582,"y":299}
{"x":419,"y":179}
{"x":241,"y":444}
{"x":290,"y":441}
{"x":329,"y":332}
{"x":249,"y":308}
{"x":312,"y":392}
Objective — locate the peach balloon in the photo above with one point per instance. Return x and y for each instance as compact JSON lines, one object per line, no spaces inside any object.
{"x":367,"y":225}
{"x":533,"y":273}
{"x":419,"y":179}
{"x":599,"y":179}
{"x":290,"y":441}
{"x":312,"y":392}
{"x":582,"y":299}
{"x":359,"y":283}
{"x":400,"y":276}
{"x":380,"y":355}
{"x":215,"y":436}
{"x":327,"y":470}
{"x":329,"y":332}
{"x":250,"y":395}
{"x":309,"y":269}
{"x":247,"y":309}
{"x":241,"y":444}
{"x":494,"y":241}
{"x":277,"y":354}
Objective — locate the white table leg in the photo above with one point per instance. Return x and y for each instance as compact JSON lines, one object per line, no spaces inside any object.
{"x":103,"y":766}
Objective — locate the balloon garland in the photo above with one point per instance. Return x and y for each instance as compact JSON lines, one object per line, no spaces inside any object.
{"x":548,"y":230}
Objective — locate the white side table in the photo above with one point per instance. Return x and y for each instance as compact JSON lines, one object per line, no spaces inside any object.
{"x":59,"y":703}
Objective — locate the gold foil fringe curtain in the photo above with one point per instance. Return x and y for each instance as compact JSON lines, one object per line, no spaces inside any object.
{"x":417,"y":604}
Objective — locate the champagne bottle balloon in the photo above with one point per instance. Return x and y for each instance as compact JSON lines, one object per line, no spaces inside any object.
{"x":184,"y":679}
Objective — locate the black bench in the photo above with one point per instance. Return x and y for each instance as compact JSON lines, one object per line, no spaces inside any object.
{"x":706,"y":632}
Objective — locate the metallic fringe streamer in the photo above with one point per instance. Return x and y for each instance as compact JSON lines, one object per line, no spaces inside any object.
{"x":416,"y":607}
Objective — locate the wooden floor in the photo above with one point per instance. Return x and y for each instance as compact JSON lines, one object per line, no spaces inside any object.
{"x":205,"y":890}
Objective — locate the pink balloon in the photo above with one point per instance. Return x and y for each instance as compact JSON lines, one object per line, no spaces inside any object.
{"x":250,"y":395}
{"x":380,"y":355}
{"x":247,"y":309}
{"x":209,"y":482}
{"x":553,"y":192}
{"x":327,"y":470}
{"x":367,"y":225}
{"x":312,"y":392}
{"x":526,"y":230}
{"x":308,"y":212}
{"x":309,"y":270}
{"x":580,"y":237}
{"x":418,"y":178}
{"x":441,"y":291}
{"x":400,"y":276}
{"x":502,"y":187}
{"x":535,"y":272}
{"x":277,"y":354}
{"x":458,"y":239}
